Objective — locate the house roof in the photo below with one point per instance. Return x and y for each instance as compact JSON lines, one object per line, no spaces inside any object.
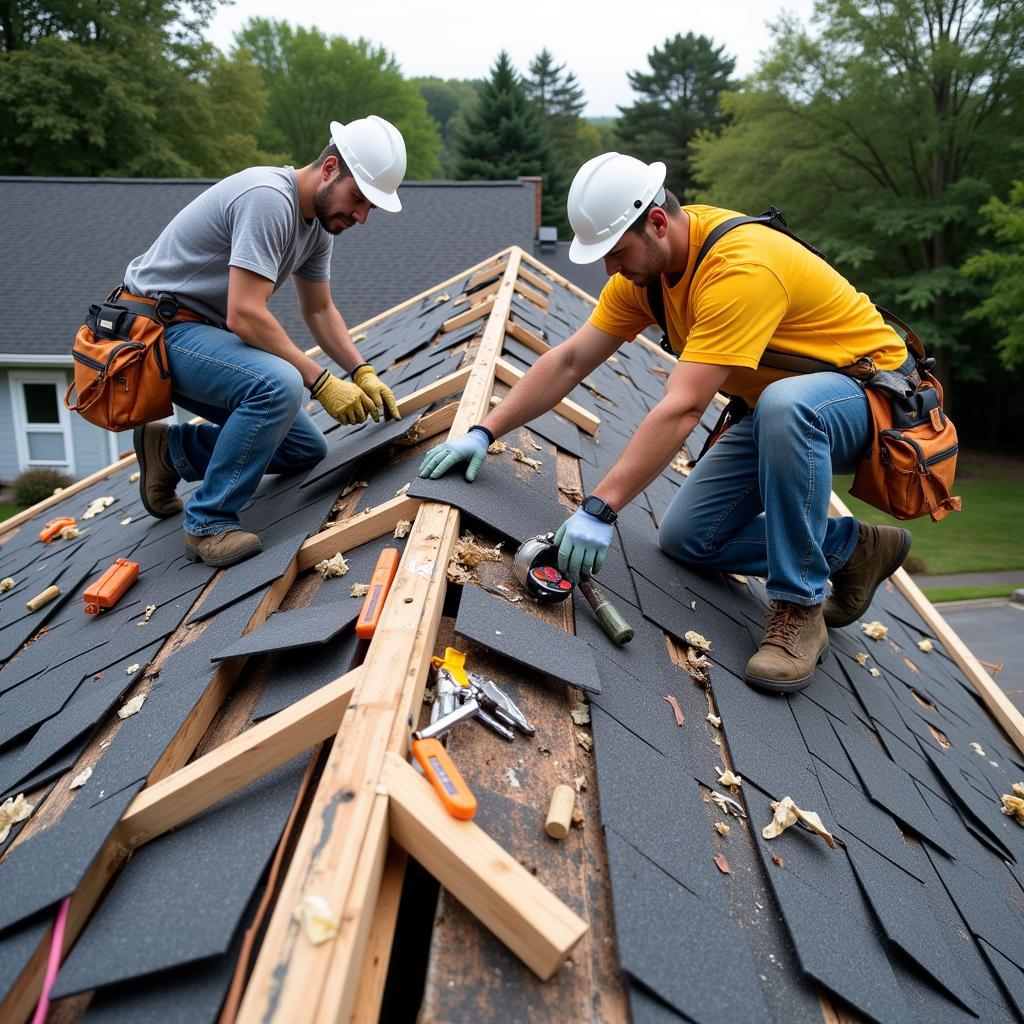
{"x":914,"y":916}
{"x":70,"y":239}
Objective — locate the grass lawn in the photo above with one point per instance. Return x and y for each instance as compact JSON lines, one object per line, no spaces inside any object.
{"x":988,"y":535}
{"x":6,"y":511}
{"x":939,"y":594}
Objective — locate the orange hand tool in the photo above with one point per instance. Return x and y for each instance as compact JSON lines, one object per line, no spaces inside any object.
{"x":380,"y":584}
{"x":52,"y":529}
{"x":442,"y":774}
{"x":107,"y":590}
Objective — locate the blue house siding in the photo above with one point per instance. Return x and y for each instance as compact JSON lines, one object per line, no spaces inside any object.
{"x":8,"y":453}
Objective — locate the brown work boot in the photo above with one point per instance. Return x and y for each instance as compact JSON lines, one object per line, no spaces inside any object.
{"x":880,"y":551}
{"x":158,"y":477}
{"x":795,"y":642}
{"x":222,"y":549}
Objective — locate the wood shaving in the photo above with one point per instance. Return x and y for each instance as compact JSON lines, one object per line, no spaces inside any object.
{"x":132,"y":669}
{"x":874,"y":671}
{"x":71,"y":532}
{"x":359,"y":590}
{"x":360,"y":337}
{"x":580,"y":714}
{"x":585,"y":741}
{"x":13,"y":810}
{"x":135,"y":476}
{"x":497,"y":447}
{"x":722,"y":829}
{"x":333,"y":566}
{"x":720,"y":802}
{"x":1013,"y":807}
{"x":97,"y":507}
{"x":150,"y":609}
{"x":578,"y":818}
{"x":776,"y":859}
{"x":1018,"y":788}
{"x":517,"y":454}
{"x":694,"y":639}
{"x":530,"y":441}
{"x":355,"y":485}
{"x":572,"y":493}
{"x":715,"y":720}
{"x":676,"y":710}
{"x":495,"y":400}
{"x":875,"y":630}
{"x":613,"y":359}
{"x":443,"y":297}
{"x":132,"y":707}
{"x":467,"y":556}
{"x":681,"y":464}
{"x":580,"y":782}
{"x":976,"y":747}
{"x":861,"y":658}
{"x":402,"y":527}
{"x":80,"y":779}
{"x":728,"y":777}
{"x":693,"y":606}
{"x":314,"y":915}
{"x":499,"y":590}
{"x":697,"y":665}
{"x":401,"y":490}
{"x":913,"y":668}
{"x":787,"y":813}
{"x":124,"y":522}
{"x":926,"y":645}
{"x":6,"y":584}
{"x":722,"y":864}
{"x":659,"y":370}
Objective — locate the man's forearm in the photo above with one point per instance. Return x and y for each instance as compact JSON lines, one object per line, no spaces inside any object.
{"x":657,"y":440}
{"x":543,"y":386}
{"x":261,"y":329}
{"x":331,"y":333}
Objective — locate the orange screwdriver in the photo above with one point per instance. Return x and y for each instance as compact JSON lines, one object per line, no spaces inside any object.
{"x":380,"y":584}
{"x":441,"y":773}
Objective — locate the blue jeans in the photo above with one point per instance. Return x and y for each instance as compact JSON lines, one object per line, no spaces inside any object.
{"x":757,"y":503}
{"x":252,"y":401}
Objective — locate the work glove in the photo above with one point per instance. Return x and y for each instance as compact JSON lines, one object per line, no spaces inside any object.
{"x":380,"y":394}
{"x":347,"y":403}
{"x":583,"y":542}
{"x":471,"y":448}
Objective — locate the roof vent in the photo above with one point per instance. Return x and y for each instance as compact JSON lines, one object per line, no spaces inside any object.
{"x":548,"y":239}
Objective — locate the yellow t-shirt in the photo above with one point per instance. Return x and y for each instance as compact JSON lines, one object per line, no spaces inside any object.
{"x":756,"y":289}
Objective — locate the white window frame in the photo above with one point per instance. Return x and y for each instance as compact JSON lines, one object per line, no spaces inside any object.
{"x":58,"y":378}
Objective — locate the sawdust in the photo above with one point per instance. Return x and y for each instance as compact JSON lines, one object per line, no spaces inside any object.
{"x":681,"y":464}
{"x":80,"y":779}
{"x":333,"y":566}
{"x":467,"y":556}
{"x":497,"y":447}
{"x":578,"y":817}
{"x":875,"y":630}
{"x":402,"y":528}
{"x":314,"y":915}
{"x":359,"y":590}
{"x":531,"y":443}
{"x":580,"y":714}
{"x":150,"y":609}
{"x":13,"y":810}
{"x":6,"y":584}
{"x":787,"y":813}
{"x":694,"y":639}
{"x":925,"y":645}
{"x":728,"y":777}
{"x":1013,"y":807}
{"x":517,"y":454}
{"x":861,"y":658}
{"x":132,"y":707}
{"x":98,"y":506}
{"x":722,"y":829}
{"x":585,"y":741}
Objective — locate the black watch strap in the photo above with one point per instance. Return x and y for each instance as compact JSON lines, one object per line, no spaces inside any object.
{"x":490,"y":436}
{"x":599,"y":509}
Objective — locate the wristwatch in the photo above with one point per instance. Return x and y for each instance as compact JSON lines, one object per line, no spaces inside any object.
{"x":599,"y":509}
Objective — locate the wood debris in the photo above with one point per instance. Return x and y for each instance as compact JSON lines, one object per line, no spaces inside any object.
{"x":572,"y":493}
{"x":314,"y":915}
{"x":71,"y":532}
{"x":676,"y":710}
{"x":150,"y":609}
{"x":402,"y":527}
{"x":517,"y":454}
{"x":913,"y":668}
{"x":874,"y":671}
{"x":580,"y":714}
{"x":80,"y":779}
{"x":132,"y":707}
{"x":585,"y":741}
{"x":578,"y":817}
{"x":401,"y":490}
{"x":787,"y":813}
{"x":722,"y":864}
{"x":530,"y":441}
{"x":13,"y":810}
{"x":926,"y":645}
{"x":333,"y":566}
{"x":497,"y":447}
{"x":728,"y":777}
{"x":861,"y":658}
{"x":659,"y":370}
{"x":722,"y":829}
{"x":776,"y":859}
{"x":97,"y":507}
{"x":443,"y":297}
{"x":694,"y":639}
{"x":359,"y":590}
{"x":715,"y":720}
{"x":976,"y":747}
{"x":723,"y":805}
{"x":6,"y":584}
{"x":875,"y":630}
{"x":1013,"y":806}
{"x":580,"y":782}
{"x":697,"y":665}
{"x":467,"y":556}
{"x":354,"y":486}
{"x":681,"y":464}
{"x":124,"y":522}
{"x":132,"y":669}
{"x":498,"y":590}
{"x":135,"y":476}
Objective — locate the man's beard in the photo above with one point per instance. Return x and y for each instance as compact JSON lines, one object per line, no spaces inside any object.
{"x":331,"y":223}
{"x":654,"y":264}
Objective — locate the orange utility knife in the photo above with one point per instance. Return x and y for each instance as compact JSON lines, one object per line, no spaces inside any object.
{"x":380,"y":584}
{"x":442,"y":774}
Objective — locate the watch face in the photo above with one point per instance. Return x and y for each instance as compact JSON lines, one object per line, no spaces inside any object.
{"x":599,"y":509}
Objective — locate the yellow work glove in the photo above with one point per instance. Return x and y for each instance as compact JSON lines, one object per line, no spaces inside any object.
{"x":380,"y":394}
{"x":347,"y":403}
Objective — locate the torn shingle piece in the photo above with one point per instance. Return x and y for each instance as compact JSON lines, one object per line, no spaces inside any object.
{"x":298,"y":627}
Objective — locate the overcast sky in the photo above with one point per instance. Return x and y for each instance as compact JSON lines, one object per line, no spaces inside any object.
{"x":600,"y":40}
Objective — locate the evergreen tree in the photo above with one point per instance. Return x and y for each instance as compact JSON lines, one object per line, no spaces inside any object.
{"x":678,"y":98}
{"x":503,"y":138}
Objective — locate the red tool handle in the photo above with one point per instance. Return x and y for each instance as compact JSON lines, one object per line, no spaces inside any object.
{"x":380,"y":584}
{"x":442,"y":774}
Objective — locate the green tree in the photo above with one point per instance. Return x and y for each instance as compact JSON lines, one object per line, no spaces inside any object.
{"x":678,"y":97}
{"x":312,"y":79}
{"x":129,"y":89}
{"x":881,"y":137}
{"x":503,"y":138}
{"x":1004,"y":268}
{"x":447,"y":102}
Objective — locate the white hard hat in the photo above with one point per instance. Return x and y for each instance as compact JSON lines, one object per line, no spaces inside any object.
{"x":374,"y":151}
{"x":608,"y":193}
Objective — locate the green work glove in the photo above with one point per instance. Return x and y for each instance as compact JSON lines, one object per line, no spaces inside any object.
{"x":347,"y":403}
{"x":583,"y":541}
{"x":380,"y":394}
{"x":471,"y":448}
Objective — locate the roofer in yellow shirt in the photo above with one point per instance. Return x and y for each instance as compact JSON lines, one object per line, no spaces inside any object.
{"x":757,"y":502}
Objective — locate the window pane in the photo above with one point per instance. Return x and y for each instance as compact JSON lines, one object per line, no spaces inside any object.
{"x":41,"y":403}
{"x":45,"y":447}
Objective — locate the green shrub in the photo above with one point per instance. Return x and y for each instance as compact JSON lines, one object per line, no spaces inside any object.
{"x":35,"y":485}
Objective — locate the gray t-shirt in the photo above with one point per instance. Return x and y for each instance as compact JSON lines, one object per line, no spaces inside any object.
{"x":249,"y":220}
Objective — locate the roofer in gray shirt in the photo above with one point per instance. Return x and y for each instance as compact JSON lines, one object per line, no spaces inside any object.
{"x":223,"y":256}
